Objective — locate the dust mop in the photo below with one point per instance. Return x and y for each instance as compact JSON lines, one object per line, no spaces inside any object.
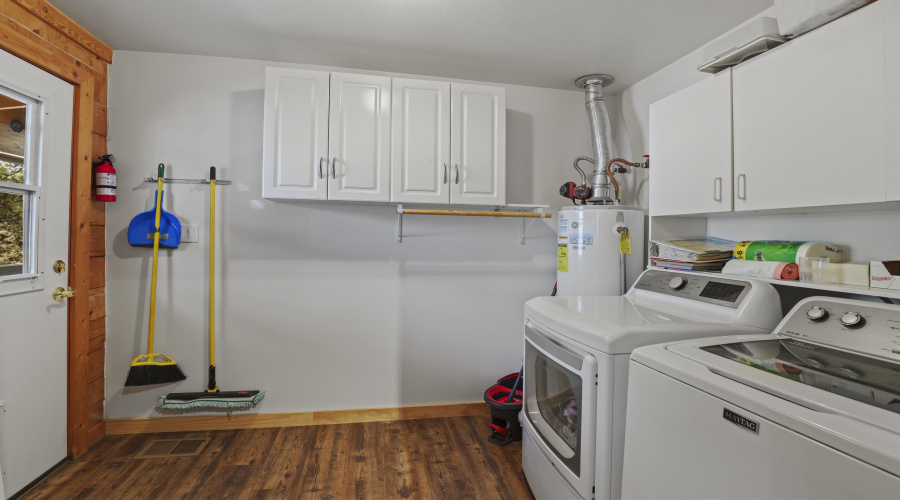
{"x":212,"y":397}
{"x":153,"y":367}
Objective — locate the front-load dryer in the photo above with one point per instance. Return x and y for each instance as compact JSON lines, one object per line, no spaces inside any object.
{"x":811,"y":411}
{"x":576,"y":368}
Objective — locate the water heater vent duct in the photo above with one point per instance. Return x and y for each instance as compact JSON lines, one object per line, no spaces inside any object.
{"x":601,"y":134}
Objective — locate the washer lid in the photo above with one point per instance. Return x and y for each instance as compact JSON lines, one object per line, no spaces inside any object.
{"x":618,"y":325}
{"x":869,"y":380}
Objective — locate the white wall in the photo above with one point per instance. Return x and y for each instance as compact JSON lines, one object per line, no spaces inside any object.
{"x":316,"y":302}
{"x":864,"y":235}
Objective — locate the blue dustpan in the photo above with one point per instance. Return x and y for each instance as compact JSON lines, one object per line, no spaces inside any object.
{"x":143,"y":225}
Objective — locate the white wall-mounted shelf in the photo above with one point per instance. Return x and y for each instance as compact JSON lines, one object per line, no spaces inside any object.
{"x":856,"y":290}
{"x":533,"y":212}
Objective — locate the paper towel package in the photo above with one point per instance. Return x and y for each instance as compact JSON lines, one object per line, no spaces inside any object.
{"x":884,"y":274}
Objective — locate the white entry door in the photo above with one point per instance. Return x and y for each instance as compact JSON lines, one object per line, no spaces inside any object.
{"x":35,"y":162}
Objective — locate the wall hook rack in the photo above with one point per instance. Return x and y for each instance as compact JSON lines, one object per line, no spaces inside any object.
{"x":167,"y":180}
{"x":533,"y":215}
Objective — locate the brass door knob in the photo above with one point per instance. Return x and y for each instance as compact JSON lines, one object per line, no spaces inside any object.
{"x":60,"y":293}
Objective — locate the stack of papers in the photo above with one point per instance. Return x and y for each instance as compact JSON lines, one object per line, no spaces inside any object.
{"x":693,"y":254}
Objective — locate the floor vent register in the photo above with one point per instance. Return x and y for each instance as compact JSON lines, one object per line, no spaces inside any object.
{"x":172,"y":448}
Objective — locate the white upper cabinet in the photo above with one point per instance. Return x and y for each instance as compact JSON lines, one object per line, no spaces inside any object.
{"x":892,"y":85}
{"x":341,"y":136}
{"x":690,"y":144}
{"x":478,"y":145}
{"x":809,"y":118}
{"x":420,"y":150}
{"x":295,"y":134}
{"x":321,"y":145}
{"x":359,"y":139}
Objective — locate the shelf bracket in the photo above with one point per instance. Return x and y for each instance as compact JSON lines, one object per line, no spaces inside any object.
{"x":399,"y":223}
{"x":525,"y":230}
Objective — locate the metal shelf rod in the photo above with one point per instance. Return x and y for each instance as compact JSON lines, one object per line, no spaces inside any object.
{"x":473,"y":213}
{"x":470,"y":213}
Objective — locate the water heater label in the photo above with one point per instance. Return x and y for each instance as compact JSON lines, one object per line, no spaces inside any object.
{"x":563,"y":230}
{"x":562,"y":257}
{"x":579,"y":239}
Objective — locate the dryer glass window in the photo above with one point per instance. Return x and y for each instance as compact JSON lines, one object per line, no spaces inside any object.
{"x":555,"y":394}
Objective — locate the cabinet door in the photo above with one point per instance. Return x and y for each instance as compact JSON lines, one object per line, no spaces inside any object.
{"x":690,"y":144}
{"x":809,"y":118}
{"x":359,"y":139}
{"x":478,"y":144}
{"x":892,"y":83}
{"x":420,"y":141}
{"x":295,"y":134}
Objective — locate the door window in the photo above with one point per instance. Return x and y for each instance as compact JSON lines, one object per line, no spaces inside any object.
{"x":19,"y":190}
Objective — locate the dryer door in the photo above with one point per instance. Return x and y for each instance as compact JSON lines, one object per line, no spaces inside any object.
{"x":561,"y":403}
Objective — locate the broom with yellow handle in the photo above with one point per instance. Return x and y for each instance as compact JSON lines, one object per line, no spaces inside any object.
{"x":147,"y":369}
{"x":211,"y":397}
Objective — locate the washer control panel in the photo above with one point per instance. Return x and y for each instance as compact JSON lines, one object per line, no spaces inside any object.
{"x":867,"y":327}
{"x":712,"y":290}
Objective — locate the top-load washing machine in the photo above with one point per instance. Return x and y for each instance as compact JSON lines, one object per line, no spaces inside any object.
{"x":576,"y":368}
{"x":811,"y":411}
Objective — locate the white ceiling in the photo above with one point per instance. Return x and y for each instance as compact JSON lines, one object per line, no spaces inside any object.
{"x":544,"y":43}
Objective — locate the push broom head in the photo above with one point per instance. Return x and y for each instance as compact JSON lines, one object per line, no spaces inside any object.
{"x":146,"y":370}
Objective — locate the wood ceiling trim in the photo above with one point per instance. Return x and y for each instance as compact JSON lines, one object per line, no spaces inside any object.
{"x":68,"y":27}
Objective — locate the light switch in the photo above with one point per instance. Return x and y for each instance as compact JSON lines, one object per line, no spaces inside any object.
{"x":190,"y":233}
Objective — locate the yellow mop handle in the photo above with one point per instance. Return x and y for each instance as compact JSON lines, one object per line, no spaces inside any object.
{"x":212,"y":268}
{"x":159,"y":190}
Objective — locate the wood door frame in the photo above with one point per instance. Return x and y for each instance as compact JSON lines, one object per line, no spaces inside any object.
{"x":30,"y":46}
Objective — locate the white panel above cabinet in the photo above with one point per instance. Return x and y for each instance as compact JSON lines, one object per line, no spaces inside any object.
{"x":809,"y":118}
{"x":478,"y":145}
{"x":359,"y":140}
{"x":690,"y":144}
{"x":892,"y":95}
{"x":295,"y":134}
{"x":420,"y":141}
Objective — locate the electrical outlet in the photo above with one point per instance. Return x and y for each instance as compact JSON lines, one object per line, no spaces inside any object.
{"x":190,"y":233}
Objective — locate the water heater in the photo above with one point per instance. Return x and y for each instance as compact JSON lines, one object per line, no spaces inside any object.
{"x":588,"y":254}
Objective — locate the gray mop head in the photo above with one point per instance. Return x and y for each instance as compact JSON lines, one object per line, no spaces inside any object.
{"x":224,"y":400}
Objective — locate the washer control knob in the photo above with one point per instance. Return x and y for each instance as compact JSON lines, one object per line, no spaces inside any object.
{"x":677,"y":283}
{"x":817,"y":314}
{"x":850,"y":372}
{"x":816,"y":363}
{"x":852,"y":319}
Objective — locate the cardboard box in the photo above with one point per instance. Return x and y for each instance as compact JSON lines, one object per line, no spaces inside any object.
{"x":849,"y":273}
{"x":884,"y":274}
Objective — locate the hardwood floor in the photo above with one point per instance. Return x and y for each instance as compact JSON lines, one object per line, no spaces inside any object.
{"x":427,"y":458}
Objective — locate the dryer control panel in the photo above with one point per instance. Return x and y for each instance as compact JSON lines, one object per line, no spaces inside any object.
{"x":865,"y":327}
{"x":708,"y":289}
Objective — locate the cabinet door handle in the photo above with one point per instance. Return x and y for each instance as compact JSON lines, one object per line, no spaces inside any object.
{"x":445,"y":173}
{"x":321,"y":171}
{"x":717,"y":189}
{"x":742,"y":187}
{"x":333,"y":168}
{"x":457,"y":173}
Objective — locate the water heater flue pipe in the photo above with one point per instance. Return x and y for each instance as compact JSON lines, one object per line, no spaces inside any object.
{"x":601,"y":134}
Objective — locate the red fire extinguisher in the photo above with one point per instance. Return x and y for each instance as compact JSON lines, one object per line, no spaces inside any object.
{"x":105,"y":179}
